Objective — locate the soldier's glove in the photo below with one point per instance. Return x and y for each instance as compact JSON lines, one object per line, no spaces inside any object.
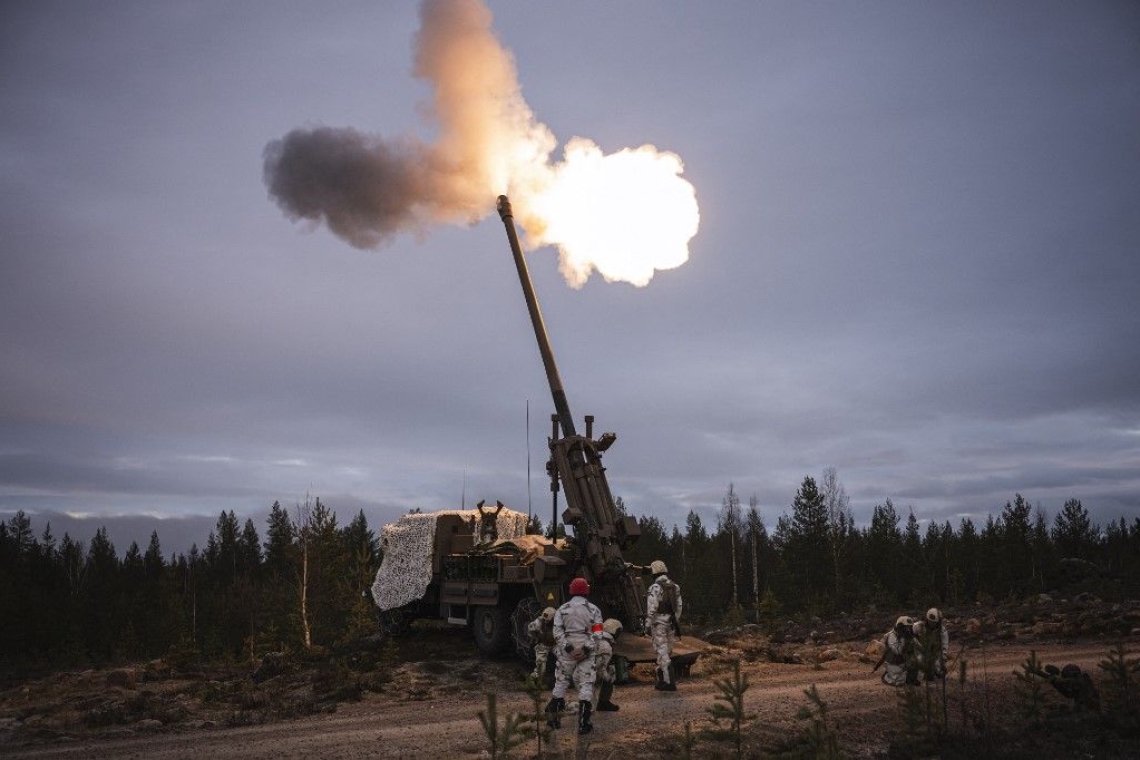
{"x":580,"y":653}
{"x":568,"y":648}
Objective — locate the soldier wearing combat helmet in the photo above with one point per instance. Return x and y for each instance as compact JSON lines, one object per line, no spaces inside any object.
{"x":931,"y":644}
{"x":899,"y":653}
{"x":541,"y":632}
{"x":662,"y":613}
{"x":604,"y":665}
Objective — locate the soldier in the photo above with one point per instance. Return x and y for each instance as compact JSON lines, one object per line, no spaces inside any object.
{"x":604,"y":665}
{"x":931,"y":644}
{"x":577,"y":631}
{"x":899,"y":653}
{"x":541,"y":632}
{"x":1074,"y":684}
{"x":489,"y":522}
{"x":662,"y":611}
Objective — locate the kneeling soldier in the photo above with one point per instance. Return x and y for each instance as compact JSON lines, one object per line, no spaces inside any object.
{"x":604,"y":664}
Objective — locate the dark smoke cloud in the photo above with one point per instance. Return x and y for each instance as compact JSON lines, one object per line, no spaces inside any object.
{"x":365,"y":189}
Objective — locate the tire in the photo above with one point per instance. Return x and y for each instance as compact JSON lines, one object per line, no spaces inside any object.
{"x":395,"y":622}
{"x":525,"y":611}
{"x":492,"y":629}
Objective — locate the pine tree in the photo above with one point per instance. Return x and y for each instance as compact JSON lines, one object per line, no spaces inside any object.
{"x":281,"y":623}
{"x":808,"y":544}
{"x":1073,"y":533}
{"x":885,"y":551}
{"x":101,"y":603}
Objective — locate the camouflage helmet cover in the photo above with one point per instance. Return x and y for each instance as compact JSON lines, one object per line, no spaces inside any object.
{"x":934,"y":616}
{"x":904,"y":622}
{"x":657,"y":567}
{"x":548,"y":613}
{"x":612,"y":627}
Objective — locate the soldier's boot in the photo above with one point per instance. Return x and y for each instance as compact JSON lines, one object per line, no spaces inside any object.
{"x":660,"y":685}
{"x":604,"y":703}
{"x":585,"y":726}
{"x":670,"y":679}
{"x":554,"y":710}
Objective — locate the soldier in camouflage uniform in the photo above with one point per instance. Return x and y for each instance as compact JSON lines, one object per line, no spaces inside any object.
{"x":541,"y":632}
{"x":899,"y":653}
{"x":662,"y":611}
{"x":931,"y":644}
{"x":604,"y":665}
{"x":577,"y":631}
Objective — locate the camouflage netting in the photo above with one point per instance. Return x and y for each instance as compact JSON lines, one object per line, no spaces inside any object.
{"x":405,"y":573}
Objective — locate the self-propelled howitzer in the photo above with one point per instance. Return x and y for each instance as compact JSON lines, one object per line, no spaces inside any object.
{"x":481,"y":569}
{"x":600,"y":530}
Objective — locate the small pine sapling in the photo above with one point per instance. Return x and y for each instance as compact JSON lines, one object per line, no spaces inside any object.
{"x":1122,"y":687}
{"x":688,"y":742}
{"x":819,"y":738}
{"x":538,"y":715}
{"x":503,"y":738}
{"x":1030,"y":690}
{"x":728,"y":713}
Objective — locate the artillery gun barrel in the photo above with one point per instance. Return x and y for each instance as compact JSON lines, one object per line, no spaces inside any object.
{"x":561,"y":405}
{"x":600,"y":531}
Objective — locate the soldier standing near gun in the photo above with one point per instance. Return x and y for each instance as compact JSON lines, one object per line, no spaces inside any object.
{"x":662,"y":611}
{"x":577,"y":630}
{"x":489,"y":522}
{"x":898,"y":654}
{"x":541,"y":632}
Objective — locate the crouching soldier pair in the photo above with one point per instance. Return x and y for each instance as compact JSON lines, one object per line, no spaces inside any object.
{"x":913,"y":647}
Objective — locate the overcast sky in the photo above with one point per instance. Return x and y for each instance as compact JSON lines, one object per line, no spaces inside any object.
{"x":918,"y":262}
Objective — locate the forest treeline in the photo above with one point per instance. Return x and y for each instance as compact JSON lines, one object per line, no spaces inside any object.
{"x":64,"y":603}
{"x":816,"y":560}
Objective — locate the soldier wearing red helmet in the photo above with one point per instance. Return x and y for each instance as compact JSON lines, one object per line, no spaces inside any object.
{"x":577,"y":631}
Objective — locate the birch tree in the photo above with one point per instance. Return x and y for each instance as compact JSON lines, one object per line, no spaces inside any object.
{"x":840,"y":521}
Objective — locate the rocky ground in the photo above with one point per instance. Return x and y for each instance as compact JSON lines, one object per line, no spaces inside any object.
{"x":421,"y":696}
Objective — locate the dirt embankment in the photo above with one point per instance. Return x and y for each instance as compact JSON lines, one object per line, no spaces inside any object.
{"x":422,"y":697}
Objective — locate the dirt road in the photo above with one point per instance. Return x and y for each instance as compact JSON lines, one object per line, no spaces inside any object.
{"x":650,"y":724}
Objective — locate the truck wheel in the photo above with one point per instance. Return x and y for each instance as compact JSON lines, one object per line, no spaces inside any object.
{"x":526,"y":610}
{"x":492,"y":629}
{"x":395,"y":622}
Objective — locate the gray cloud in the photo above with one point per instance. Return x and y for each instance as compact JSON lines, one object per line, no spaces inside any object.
{"x":916,"y":263}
